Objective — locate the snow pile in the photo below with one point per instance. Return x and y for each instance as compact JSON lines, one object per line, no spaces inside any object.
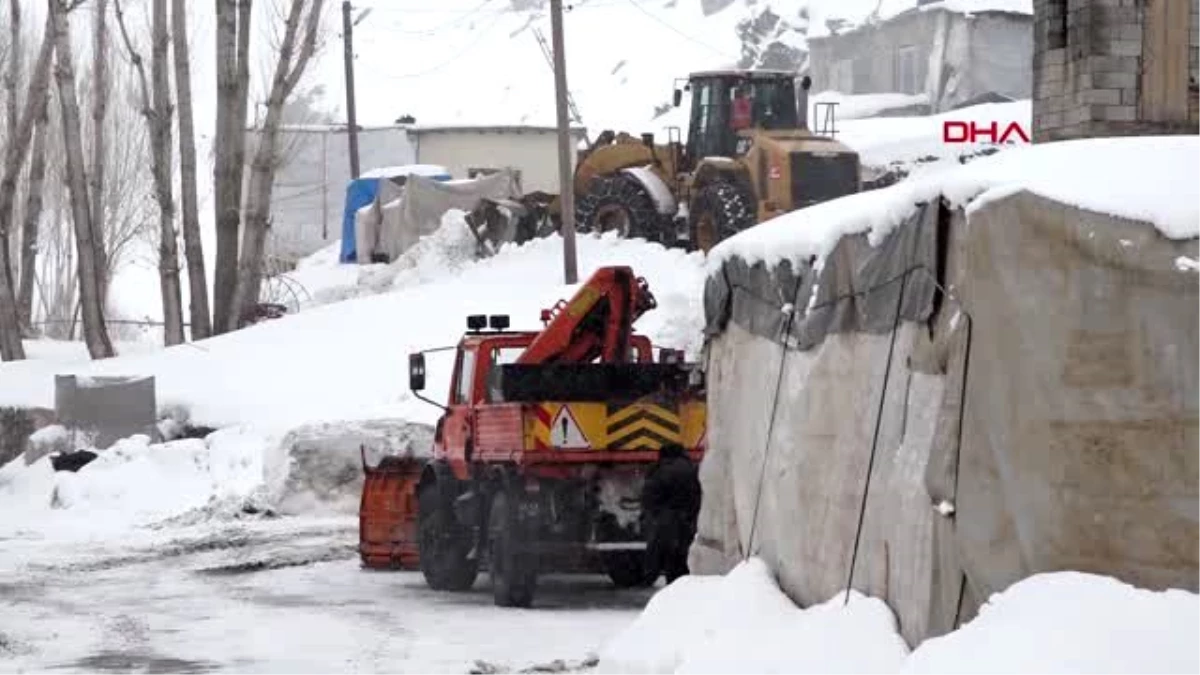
{"x":1155,"y":179}
{"x":1071,"y":622}
{"x":427,"y":170}
{"x":1060,"y":622}
{"x":882,"y":141}
{"x":349,"y":360}
{"x":134,"y":482}
{"x":858,"y":106}
{"x":743,"y":622}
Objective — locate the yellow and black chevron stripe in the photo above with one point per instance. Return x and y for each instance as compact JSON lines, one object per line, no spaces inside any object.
{"x":642,"y":426}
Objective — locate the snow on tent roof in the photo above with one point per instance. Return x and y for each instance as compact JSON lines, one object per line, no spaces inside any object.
{"x":1154,"y":179}
{"x":429,"y":170}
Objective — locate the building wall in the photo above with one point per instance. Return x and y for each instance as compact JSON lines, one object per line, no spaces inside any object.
{"x":532,"y":152}
{"x":957,"y":57}
{"x":1114,"y":67}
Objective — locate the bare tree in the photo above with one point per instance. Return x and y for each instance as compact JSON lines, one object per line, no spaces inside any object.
{"x":233,"y":83}
{"x":193,"y":249}
{"x":16,"y":147}
{"x":31,"y":218}
{"x":95,"y":333}
{"x":293,"y":59}
{"x":157,"y":110}
{"x":100,"y":90}
{"x":13,"y":78}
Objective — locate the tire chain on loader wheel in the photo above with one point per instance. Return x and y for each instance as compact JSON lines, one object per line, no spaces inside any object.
{"x":513,"y":570}
{"x":724,"y":208}
{"x":443,"y":544}
{"x":623,"y":195}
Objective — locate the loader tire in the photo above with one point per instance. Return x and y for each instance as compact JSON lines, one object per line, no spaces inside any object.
{"x":719,"y":211}
{"x":618,"y":203}
{"x":444,"y":545}
{"x":513,"y":569}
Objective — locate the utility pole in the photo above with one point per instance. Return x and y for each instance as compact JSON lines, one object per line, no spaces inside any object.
{"x":566,"y":188}
{"x":351,"y":117}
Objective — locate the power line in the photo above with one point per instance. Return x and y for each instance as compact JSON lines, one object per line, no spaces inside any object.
{"x":461,"y":53}
{"x":678,"y":32}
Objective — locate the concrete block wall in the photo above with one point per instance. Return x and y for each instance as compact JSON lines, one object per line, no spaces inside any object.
{"x":1086,"y":79}
{"x":1195,"y":43}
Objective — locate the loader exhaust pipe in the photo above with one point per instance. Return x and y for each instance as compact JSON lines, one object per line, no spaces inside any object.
{"x":802,"y":102}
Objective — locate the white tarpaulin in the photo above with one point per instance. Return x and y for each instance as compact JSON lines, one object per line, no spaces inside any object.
{"x":392,"y":224}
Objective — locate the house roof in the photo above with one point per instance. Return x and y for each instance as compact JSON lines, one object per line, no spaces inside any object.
{"x":1014,"y":8}
{"x":490,"y":129}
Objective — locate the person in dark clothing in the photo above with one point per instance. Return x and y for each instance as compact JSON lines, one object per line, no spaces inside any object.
{"x":670,"y":505}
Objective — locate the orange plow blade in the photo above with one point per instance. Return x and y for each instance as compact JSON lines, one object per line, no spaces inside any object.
{"x":387,"y":516}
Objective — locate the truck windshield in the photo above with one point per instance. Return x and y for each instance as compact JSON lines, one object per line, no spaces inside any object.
{"x":774,"y":104}
{"x":466,"y":376}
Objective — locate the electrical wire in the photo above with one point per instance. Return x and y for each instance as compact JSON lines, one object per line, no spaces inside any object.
{"x":460,"y":53}
{"x":678,"y":32}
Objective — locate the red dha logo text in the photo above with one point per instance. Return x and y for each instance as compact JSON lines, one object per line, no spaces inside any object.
{"x":956,"y":131}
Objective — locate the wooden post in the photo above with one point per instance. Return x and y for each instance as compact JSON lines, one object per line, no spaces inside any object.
{"x":566,"y":188}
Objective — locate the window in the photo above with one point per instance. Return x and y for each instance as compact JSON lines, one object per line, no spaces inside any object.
{"x":466,"y":376}
{"x":906,"y":70}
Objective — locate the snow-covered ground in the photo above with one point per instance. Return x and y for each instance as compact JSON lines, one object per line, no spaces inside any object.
{"x":283,"y":595}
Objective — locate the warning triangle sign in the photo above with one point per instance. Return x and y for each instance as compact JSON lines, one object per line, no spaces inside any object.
{"x":565,"y":431}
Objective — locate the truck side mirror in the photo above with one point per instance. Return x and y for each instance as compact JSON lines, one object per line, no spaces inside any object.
{"x":678,"y":97}
{"x":416,"y":372}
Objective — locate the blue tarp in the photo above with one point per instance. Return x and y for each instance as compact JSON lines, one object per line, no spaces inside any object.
{"x":359,"y":193}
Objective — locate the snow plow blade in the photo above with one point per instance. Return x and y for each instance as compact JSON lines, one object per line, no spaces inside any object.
{"x":387,"y":515}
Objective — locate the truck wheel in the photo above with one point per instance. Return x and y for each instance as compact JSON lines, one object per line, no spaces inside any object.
{"x":627,"y":569}
{"x":618,"y":204}
{"x":719,"y":211}
{"x":514,"y":571}
{"x":443,"y":544}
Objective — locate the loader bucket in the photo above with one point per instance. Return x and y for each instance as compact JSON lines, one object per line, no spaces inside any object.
{"x":387,"y":517}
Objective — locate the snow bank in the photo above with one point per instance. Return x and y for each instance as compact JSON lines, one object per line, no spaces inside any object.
{"x":349,"y":361}
{"x":880,"y":141}
{"x":1155,"y":179}
{"x":134,"y":483}
{"x":856,"y":106}
{"x":1071,"y":622}
{"x":1061,"y":622}
{"x":742,"y":622}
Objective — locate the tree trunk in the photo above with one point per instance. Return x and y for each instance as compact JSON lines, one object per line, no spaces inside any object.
{"x":16,"y":147}
{"x":100,"y":91}
{"x":161,"y":147}
{"x":13,"y":78}
{"x":32,"y":217}
{"x":95,"y":333}
{"x":288,"y":71}
{"x":233,"y":81}
{"x":193,"y":248}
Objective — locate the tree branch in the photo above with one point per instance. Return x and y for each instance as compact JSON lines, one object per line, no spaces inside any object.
{"x":136,"y":58}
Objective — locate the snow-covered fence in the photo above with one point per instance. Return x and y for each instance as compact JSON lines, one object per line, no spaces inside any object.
{"x":108,"y":408}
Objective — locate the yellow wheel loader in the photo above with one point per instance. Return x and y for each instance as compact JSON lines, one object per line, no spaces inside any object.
{"x":749,"y":156}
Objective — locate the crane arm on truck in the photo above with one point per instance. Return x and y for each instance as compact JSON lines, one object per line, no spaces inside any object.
{"x":596,"y":323}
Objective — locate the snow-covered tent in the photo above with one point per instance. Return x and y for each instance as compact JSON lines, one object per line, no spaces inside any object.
{"x":396,"y":219}
{"x":362,"y":191}
{"x":991,"y":372}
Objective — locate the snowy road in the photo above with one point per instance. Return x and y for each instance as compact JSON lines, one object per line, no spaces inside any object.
{"x":282,"y":595}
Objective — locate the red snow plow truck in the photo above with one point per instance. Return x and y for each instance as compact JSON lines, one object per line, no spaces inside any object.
{"x":542,"y":450}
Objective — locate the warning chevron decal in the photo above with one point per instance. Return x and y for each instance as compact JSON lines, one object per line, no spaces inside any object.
{"x":642,"y":426}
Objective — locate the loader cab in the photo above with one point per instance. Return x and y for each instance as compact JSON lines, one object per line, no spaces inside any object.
{"x":712,"y":131}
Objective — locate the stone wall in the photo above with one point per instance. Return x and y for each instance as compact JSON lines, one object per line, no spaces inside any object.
{"x":1092,"y":68}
